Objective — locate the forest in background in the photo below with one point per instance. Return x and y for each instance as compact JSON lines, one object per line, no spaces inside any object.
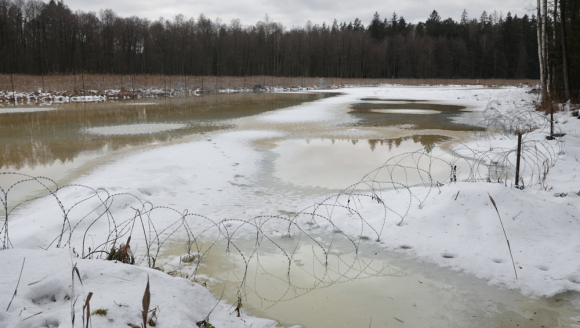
{"x":40,"y":38}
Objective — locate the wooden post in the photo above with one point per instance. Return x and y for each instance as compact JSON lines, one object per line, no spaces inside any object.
{"x":551,"y":121}
{"x":518,"y":158}
{"x":83,"y":78}
{"x":185,"y":79}
{"x":43,"y":83}
{"x":202,"y":86}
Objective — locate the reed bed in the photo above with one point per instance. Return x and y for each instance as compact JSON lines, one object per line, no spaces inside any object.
{"x":15,"y":87}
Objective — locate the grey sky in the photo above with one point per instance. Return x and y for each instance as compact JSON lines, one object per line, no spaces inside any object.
{"x":298,"y":12}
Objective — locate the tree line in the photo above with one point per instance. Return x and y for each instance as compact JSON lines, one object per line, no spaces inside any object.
{"x":49,"y":38}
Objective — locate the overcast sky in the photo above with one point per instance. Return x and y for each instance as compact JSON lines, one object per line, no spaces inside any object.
{"x":298,"y":12}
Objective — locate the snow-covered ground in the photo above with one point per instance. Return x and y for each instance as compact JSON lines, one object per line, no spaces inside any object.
{"x":221,"y":176}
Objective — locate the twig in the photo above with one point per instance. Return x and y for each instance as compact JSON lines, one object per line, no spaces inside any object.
{"x":457,"y":194}
{"x":32,"y":316}
{"x":18,"y":283}
{"x":506,"y":239}
{"x":206,"y":320}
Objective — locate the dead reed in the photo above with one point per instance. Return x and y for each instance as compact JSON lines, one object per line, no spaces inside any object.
{"x":504,"y":233}
{"x":139,"y":86}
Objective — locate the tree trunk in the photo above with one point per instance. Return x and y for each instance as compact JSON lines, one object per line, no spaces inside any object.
{"x":541,"y":50}
{"x":545,"y":46}
{"x":564,"y":49}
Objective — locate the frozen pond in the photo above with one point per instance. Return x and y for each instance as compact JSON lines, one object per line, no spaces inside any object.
{"x":260,"y":159}
{"x":68,"y":141}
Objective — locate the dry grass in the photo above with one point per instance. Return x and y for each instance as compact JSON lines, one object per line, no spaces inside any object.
{"x":122,"y":254}
{"x":131,"y":86}
{"x":504,"y":233}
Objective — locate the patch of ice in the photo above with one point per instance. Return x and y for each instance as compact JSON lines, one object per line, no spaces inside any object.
{"x":135,"y":128}
{"x":406,"y":111}
{"x":25,"y":109}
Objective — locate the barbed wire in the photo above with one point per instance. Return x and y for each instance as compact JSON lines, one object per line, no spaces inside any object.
{"x":388,"y":192}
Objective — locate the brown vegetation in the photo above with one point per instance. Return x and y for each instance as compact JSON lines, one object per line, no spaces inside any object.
{"x":137,"y":86}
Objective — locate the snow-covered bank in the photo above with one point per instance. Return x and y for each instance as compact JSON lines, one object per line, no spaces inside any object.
{"x":220,"y":176}
{"x":46,"y":292}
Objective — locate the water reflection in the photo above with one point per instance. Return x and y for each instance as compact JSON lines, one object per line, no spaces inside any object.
{"x":427,"y":141}
{"x":393,"y":100}
{"x":405,"y":116}
{"x":338,"y":163}
{"x":301,"y":283}
{"x":43,"y":137}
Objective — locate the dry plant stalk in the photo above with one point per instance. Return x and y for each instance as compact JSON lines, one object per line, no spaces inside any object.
{"x":122,"y":254}
{"x":73,"y":298}
{"x":145,"y":303}
{"x":506,"y":239}
{"x":87,"y":306}
{"x":18,"y":283}
{"x":152,"y":321}
{"x":239,"y":305}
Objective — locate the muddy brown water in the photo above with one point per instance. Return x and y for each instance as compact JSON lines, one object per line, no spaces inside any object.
{"x":32,"y":138}
{"x":374,"y":288}
{"x":388,"y":114}
{"x":65,"y":141}
{"x":301,"y":283}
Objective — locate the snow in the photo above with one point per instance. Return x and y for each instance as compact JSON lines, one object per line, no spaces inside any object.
{"x":218,"y":175}
{"x":45,"y":293}
{"x":8,"y":110}
{"x":140,"y":104}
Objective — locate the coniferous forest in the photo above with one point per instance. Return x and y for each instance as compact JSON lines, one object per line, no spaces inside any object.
{"x":50,"y":38}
